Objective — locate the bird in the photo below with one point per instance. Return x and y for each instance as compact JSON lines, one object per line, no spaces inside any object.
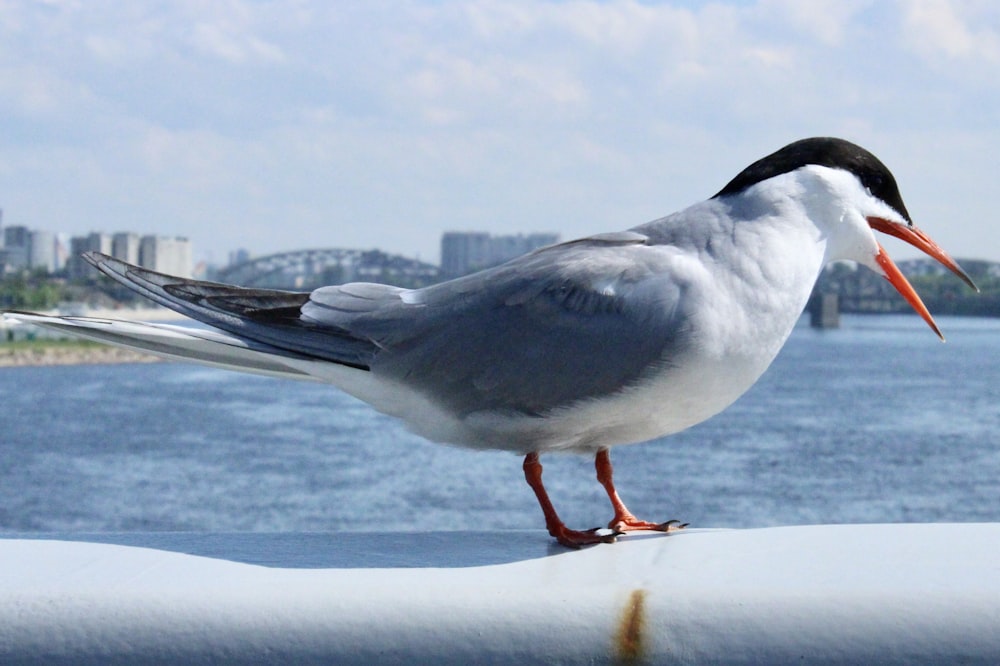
{"x":611,"y":339}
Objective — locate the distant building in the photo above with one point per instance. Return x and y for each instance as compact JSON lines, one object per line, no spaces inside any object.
{"x":42,"y":251}
{"x":464,"y":252}
{"x":22,"y":248}
{"x":16,"y":236}
{"x":17,"y":248}
{"x":508,"y":247}
{"x":159,"y":253}
{"x":239,"y":256}
{"x":125,"y":246}
{"x":166,"y":254}
{"x":61,"y":250}
{"x":76,"y":267}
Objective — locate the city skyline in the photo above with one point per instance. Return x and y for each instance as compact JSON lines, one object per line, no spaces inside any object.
{"x":470,"y":250}
{"x":25,"y":248}
{"x":462,"y":252}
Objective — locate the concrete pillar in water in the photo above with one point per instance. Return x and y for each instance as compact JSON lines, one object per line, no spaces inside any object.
{"x":824,"y":311}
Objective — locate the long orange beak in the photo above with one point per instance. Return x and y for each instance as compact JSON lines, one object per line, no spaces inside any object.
{"x":922,"y":242}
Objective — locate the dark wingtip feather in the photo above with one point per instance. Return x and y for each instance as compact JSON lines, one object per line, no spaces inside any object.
{"x":268,"y":316}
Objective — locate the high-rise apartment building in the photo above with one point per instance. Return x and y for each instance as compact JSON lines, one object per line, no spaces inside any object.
{"x":17,"y":248}
{"x":464,"y":252}
{"x":125,"y":246}
{"x":42,"y":251}
{"x":76,"y":267}
{"x":166,"y":254}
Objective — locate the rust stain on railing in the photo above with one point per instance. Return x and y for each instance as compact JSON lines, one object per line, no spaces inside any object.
{"x":629,"y":637}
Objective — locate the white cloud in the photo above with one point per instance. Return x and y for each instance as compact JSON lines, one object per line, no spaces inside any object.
{"x":627,"y":27}
{"x":956,"y":31}
{"x":233,"y":44}
{"x":827,"y":21}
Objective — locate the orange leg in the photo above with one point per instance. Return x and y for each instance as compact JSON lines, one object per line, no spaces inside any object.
{"x":556,"y":527}
{"x":624,"y":520}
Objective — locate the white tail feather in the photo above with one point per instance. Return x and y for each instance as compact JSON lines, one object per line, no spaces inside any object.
{"x":207,"y":347}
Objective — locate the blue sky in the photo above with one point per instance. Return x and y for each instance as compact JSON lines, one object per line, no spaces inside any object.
{"x":293,"y":124}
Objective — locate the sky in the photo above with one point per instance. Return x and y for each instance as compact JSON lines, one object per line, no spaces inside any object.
{"x":284,"y":125}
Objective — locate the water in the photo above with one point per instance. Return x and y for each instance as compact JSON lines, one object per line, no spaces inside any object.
{"x":874,"y":422}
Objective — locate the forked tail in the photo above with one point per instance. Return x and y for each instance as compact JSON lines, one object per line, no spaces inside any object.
{"x":206,"y":347}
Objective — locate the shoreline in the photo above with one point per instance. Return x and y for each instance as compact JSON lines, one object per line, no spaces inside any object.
{"x":48,"y":350}
{"x":148,"y":314}
{"x":52,"y":353}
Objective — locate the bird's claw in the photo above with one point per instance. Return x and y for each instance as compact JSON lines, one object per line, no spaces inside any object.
{"x":631,"y":523}
{"x":576,"y":539}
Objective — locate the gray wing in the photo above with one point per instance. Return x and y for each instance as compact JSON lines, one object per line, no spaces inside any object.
{"x":565,"y":323}
{"x":562,"y":324}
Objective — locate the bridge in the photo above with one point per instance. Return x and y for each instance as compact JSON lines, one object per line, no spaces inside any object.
{"x":308,"y":269}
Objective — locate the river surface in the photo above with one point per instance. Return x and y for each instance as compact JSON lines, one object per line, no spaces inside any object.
{"x":874,"y":422}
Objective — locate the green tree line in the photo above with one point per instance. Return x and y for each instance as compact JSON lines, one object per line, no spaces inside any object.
{"x":30,"y":292}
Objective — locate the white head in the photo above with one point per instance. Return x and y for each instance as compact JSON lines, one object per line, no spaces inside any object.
{"x":864,"y":197}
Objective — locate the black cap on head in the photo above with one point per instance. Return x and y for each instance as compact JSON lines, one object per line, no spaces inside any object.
{"x":828,"y":152}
